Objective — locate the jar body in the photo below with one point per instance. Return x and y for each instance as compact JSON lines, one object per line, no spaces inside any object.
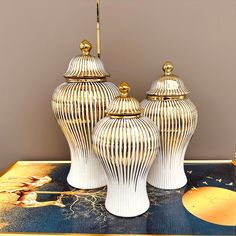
{"x":126,"y":148}
{"x":78,"y":106}
{"x":176,"y":121}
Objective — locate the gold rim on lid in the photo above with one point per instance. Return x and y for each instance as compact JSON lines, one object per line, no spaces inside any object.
{"x":168,"y":86}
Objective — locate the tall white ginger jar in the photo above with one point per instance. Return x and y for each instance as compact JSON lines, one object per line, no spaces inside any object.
{"x":176,"y":117}
{"x":126,"y":143}
{"x":78,"y":104}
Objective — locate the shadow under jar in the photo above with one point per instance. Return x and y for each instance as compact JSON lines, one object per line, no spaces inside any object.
{"x":78,"y":104}
{"x":126,"y":143}
{"x":176,"y":117}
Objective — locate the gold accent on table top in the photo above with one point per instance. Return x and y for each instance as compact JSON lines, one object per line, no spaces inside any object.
{"x":234,"y":162}
{"x":212,"y":204}
{"x":85,"y":67}
{"x":25,"y":163}
{"x":194,"y":161}
{"x":18,"y":185}
{"x":124,"y":106}
{"x":168,"y":86}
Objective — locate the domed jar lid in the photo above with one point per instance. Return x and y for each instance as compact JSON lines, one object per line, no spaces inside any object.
{"x":85,"y":67}
{"x":124,"y":106}
{"x":168,"y":85}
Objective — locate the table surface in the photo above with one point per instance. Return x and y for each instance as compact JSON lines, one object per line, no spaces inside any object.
{"x":35,"y":198}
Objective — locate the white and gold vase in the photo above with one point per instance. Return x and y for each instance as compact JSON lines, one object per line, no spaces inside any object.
{"x":126,"y":143}
{"x":176,"y":117}
{"x":78,"y":104}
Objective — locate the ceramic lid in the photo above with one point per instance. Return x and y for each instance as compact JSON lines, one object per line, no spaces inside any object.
{"x":85,"y":67}
{"x":124,"y":105}
{"x":168,"y":84}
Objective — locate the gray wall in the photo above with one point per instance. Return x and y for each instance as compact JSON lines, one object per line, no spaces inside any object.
{"x":38,"y":38}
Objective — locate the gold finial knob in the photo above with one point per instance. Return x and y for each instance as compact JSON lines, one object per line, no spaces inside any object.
{"x":85,"y":47}
{"x":167,"y":68}
{"x":124,"y":89}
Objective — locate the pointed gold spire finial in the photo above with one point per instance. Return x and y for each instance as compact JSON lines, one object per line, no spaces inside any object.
{"x":124,"y":89}
{"x":167,"y":68}
{"x":85,"y":47}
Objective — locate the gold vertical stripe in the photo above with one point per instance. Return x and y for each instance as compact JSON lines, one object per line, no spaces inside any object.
{"x":77,"y":108}
{"x":176,"y":120}
{"x":126,"y":147}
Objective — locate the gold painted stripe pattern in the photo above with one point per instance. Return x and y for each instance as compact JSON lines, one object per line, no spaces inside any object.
{"x":124,"y":107}
{"x":126,"y":147}
{"x":168,"y":86}
{"x":176,"y":121}
{"x":77,"y":108}
{"x":84,"y":66}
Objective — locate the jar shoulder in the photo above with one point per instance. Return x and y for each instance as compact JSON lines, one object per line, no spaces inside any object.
{"x":126,"y":125}
{"x":88,"y":90}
